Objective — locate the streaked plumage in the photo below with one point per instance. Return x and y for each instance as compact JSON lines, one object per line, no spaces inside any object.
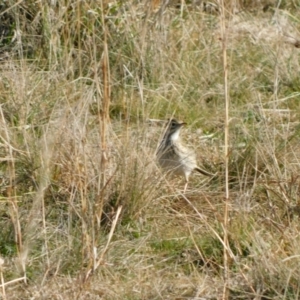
{"x":175,"y":158}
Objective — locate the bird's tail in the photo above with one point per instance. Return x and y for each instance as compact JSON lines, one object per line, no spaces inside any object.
{"x":203,"y":172}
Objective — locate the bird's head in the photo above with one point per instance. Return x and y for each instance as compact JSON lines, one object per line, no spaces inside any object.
{"x":173,"y":129}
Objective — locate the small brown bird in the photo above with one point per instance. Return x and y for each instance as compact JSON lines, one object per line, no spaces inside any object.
{"x":175,"y":158}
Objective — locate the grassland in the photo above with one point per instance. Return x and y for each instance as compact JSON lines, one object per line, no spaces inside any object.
{"x":85,"y":213}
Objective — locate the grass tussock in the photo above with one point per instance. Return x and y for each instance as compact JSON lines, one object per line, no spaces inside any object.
{"x":85,"y":212}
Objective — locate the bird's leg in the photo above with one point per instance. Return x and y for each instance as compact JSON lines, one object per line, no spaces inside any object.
{"x":186,"y":175}
{"x":185,"y":186}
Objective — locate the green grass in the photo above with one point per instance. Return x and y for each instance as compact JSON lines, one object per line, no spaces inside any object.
{"x":64,"y":176}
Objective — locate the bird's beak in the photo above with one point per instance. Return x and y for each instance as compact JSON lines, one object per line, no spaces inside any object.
{"x":183,"y":124}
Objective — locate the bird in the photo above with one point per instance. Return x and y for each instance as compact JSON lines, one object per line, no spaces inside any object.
{"x":174,"y":157}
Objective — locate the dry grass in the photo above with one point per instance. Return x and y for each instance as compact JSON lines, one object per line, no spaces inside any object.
{"x":86,"y":213}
